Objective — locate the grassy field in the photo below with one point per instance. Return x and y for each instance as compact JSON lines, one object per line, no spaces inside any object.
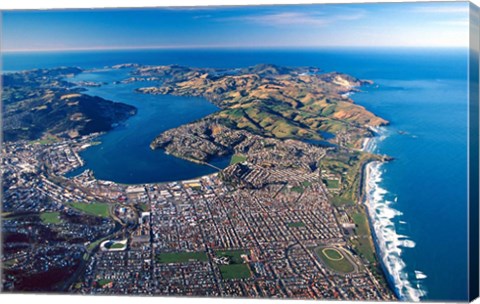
{"x":103,"y":282}
{"x":296,"y":224}
{"x":332,"y":183}
{"x":237,"y":158}
{"x":96,"y":209}
{"x":306,"y":184}
{"x":334,"y":259}
{"x":363,"y":245}
{"x":9,"y":263}
{"x":50,"y":217}
{"x":332,"y":254}
{"x":181,"y":257}
{"x":361,"y":221}
{"x":234,"y":271}
{"x":298,"y":189}
{"x":113,"y":245}
{"x":364,"y":248}
{"x":237,"y":269}
{"x":46,"y":140}
{"x":339,"y":201}
{"x":144,"y":207}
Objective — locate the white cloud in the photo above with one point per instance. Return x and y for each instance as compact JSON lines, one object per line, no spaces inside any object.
{"x":295,"y":18}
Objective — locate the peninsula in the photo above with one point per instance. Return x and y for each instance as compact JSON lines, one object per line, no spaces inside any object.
{"x":264,"y":100}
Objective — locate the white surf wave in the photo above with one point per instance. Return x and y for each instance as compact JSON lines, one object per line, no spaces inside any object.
{"x":420,"y":275}
{"x":389,"y":242}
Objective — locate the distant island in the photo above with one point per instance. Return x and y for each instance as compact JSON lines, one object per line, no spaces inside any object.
{"x":287,"y":212}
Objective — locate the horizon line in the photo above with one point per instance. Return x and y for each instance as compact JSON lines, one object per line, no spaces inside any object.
{"x":193,"y":47}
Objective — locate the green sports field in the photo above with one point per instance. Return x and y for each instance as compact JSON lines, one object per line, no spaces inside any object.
{"x":296,"y":224}
{"x":50,"y":217}
{"x":95,"y":209}
{"x":237,"y":269}
{"x":181,"y":257}
{"x":332,"y":183}
{"x":238,"y":158}
{"x":103,"y":282}
{"x":234,"y":271}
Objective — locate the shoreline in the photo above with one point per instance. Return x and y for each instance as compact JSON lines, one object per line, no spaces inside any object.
{"x":380,"y":214}
{"x":365,"y":202}
{"x":368,"y":145}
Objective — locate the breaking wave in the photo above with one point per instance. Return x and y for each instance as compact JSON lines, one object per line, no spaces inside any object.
{"x":390,"y":244}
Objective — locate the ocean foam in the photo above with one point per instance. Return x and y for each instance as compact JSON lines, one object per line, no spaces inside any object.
{"x":390,"y":244}
{"x":420,"y":275}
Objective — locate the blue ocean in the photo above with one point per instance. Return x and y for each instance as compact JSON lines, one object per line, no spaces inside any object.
{"x":418,"y":202}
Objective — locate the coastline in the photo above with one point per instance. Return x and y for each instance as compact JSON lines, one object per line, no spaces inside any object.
{"x":369,"y":211}
{"x":369,"y":145}
{"x":386,"y":241}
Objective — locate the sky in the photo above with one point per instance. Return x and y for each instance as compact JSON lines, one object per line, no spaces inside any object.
{"x":434,"y":24}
